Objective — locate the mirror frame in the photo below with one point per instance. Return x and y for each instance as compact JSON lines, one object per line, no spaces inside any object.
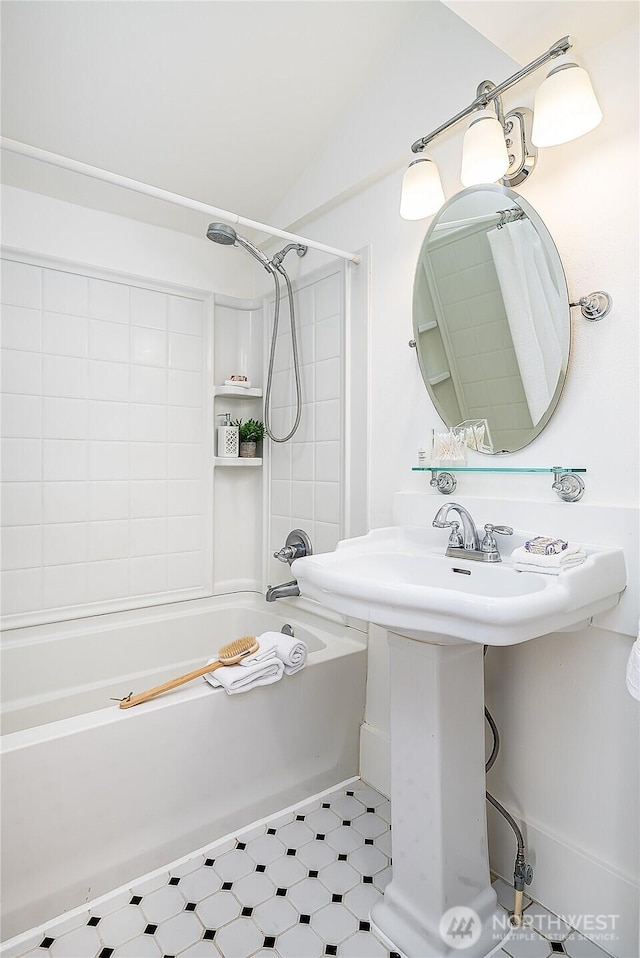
{"x":547,"y":238}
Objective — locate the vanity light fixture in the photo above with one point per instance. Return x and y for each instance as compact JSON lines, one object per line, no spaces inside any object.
{"x":499,"y":146}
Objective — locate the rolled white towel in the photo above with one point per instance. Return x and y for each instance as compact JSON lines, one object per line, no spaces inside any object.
{"x":242,"y":678}
{"x":570,"y":557}
{"x":290,"y":651}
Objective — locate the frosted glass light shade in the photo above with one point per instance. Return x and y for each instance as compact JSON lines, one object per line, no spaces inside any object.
{"x":484,"y":152}
{"x":565,"y":105}
{"x":422,"y":192}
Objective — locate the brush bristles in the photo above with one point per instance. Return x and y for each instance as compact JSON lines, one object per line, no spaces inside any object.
{"x":238,"y":649}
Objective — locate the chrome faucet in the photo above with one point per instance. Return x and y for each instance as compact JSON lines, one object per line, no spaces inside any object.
{"x":297,"y":545}
{"x":467,"y":545}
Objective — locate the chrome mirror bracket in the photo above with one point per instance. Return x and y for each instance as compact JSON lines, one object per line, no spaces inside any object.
{"x":523,"y":155}
{"x":595,"y":306}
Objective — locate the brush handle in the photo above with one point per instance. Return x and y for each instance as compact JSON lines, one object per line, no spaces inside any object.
{"x":167,"y":686}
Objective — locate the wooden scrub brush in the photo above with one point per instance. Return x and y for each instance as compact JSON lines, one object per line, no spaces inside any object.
{"x":228,"y":655}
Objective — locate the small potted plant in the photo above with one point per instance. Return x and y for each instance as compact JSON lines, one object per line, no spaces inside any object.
{"x":251,"y":433}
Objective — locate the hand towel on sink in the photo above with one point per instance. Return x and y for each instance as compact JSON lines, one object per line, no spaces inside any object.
{"x":570,"y":557}
{"x":290,"y":651}
{"x":242,"y":678}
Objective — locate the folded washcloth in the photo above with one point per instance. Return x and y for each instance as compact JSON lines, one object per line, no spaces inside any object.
{"x":633,"y":669}
{"x":554,"y":564}
{"x":289,"y":650}
{"x":242,"y":678}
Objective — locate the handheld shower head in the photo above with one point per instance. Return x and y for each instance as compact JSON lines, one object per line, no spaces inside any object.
{"x":227,"y":236}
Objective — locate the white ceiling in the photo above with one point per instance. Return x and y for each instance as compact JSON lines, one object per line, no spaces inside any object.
{"x":225,"y":102}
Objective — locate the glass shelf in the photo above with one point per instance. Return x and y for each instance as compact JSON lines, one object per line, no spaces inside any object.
{"x":545,"y":469}
{"x":566,"y":481}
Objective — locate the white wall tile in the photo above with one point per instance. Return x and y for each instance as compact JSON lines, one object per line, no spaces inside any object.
{"x":108,"y":341}
{"x":64,"y":335}
{"x":64,"y":376}
{"x":306,"y":345}
{"x":108,"y":381}
{"x":64,"y":418}
{"x":327,"y":297}
{"x":108,"y":420}
{"x":185,"y":424}
{"x":302,"y":459}
{"x":64,"y":460}
{"x":148,"y":460}
{"x":184,"y":497}
{"x":280,"y":498}
{"x":327,"y":501}
{"x":64,"y":585}
{"x":148,"y":308}
{"x":148,"y":346}
{"x":283,"y":358}
{"x":21,"y":591}
{"x":327,"y":462}
{"x":185,"y":352}
{"x":185,"y":388}
{"x":65,"y":501}
{"x":305,"y":305}
{"x":185,"y":461}
{"x":148,"y":423}
{"x":21,"y":547}
{"x":21,"y":503}
{"x":185,"y":315}
{"x":21,"y":416}
{"x":282,"y":389}
{"x":21,"y":284}
{"x":108,"y":460}
{"x":281,"y":460}
{"x":107,"y":580}
{"x":328,"y":340}
{"x":21,"y":372}
{"x":108,"y":301}
{"x":302,"y":499}
{"x":65,"y":543}
{"x":65,"y":292}
{"x":21,"y":460}
{"x":21,"y":328}
{"x":185,"y":570}
{"x":148,"y":575}
{"x":108,"y":500}
{"x":147,"y":536}
{"x":185,"y":534}
{"x":108,"y":540}
{"x":148,"y":384}
{"x":306,"y":429}
{"x":327,"y":420}
{"x":149,"y":498}
{"x":327,"y":374}
{"x":307,"y":383}
{"x":327,"y":536}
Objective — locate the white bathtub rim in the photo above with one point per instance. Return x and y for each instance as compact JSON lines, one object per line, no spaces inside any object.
{"x":12,"y":741}
{"x":17,"y":945}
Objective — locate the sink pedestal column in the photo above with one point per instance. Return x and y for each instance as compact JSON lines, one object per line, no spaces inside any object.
{"x":438,"y":808}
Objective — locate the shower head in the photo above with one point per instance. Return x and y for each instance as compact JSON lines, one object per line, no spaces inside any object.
{"x":227,"y":236}
{"x":221,"y":233}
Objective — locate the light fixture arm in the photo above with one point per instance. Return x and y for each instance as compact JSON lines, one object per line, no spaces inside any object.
{"x":487,"y":91}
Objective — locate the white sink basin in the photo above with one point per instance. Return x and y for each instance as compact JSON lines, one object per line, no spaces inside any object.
{"x":399,"y":578}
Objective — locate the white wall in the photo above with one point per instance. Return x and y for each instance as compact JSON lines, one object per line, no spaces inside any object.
{"x":567,"y":723}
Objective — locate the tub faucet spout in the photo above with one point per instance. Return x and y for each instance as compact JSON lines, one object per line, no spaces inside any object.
{"x":282,"y":591}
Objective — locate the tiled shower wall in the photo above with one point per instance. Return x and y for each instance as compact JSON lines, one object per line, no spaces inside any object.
{"x":306,"y":487}
{"x":106,"y":460}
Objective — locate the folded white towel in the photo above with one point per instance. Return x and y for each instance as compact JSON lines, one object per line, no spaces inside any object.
{"x":289,"y":650}
{"x":633,"y":669}
{"x":242,"y":678}
{"x":570,"y":557}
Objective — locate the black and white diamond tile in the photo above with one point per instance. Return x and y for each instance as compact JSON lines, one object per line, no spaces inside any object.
{"x":301,"y":886}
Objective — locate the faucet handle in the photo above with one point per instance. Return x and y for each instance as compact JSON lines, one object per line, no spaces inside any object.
{"x":489,"y":543}
{"x":286,"y":554}
{"x":455,"y":539}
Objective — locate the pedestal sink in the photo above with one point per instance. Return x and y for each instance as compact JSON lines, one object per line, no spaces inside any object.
{"x":439,"y":613}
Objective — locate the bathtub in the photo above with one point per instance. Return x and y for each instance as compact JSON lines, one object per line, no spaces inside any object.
{"x":94,"y":795}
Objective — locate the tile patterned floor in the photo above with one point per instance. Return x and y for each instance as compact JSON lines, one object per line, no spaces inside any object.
{"x":300,"y":886}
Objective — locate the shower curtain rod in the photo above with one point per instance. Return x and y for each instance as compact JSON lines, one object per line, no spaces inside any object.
{"x":65,"y":163}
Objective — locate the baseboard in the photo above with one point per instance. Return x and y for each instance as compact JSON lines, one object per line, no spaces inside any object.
{"x":571,"y":884}
{"x":375,"y":758}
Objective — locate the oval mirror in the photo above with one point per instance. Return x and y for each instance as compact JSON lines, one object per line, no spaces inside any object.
{"x":491,"y":317}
